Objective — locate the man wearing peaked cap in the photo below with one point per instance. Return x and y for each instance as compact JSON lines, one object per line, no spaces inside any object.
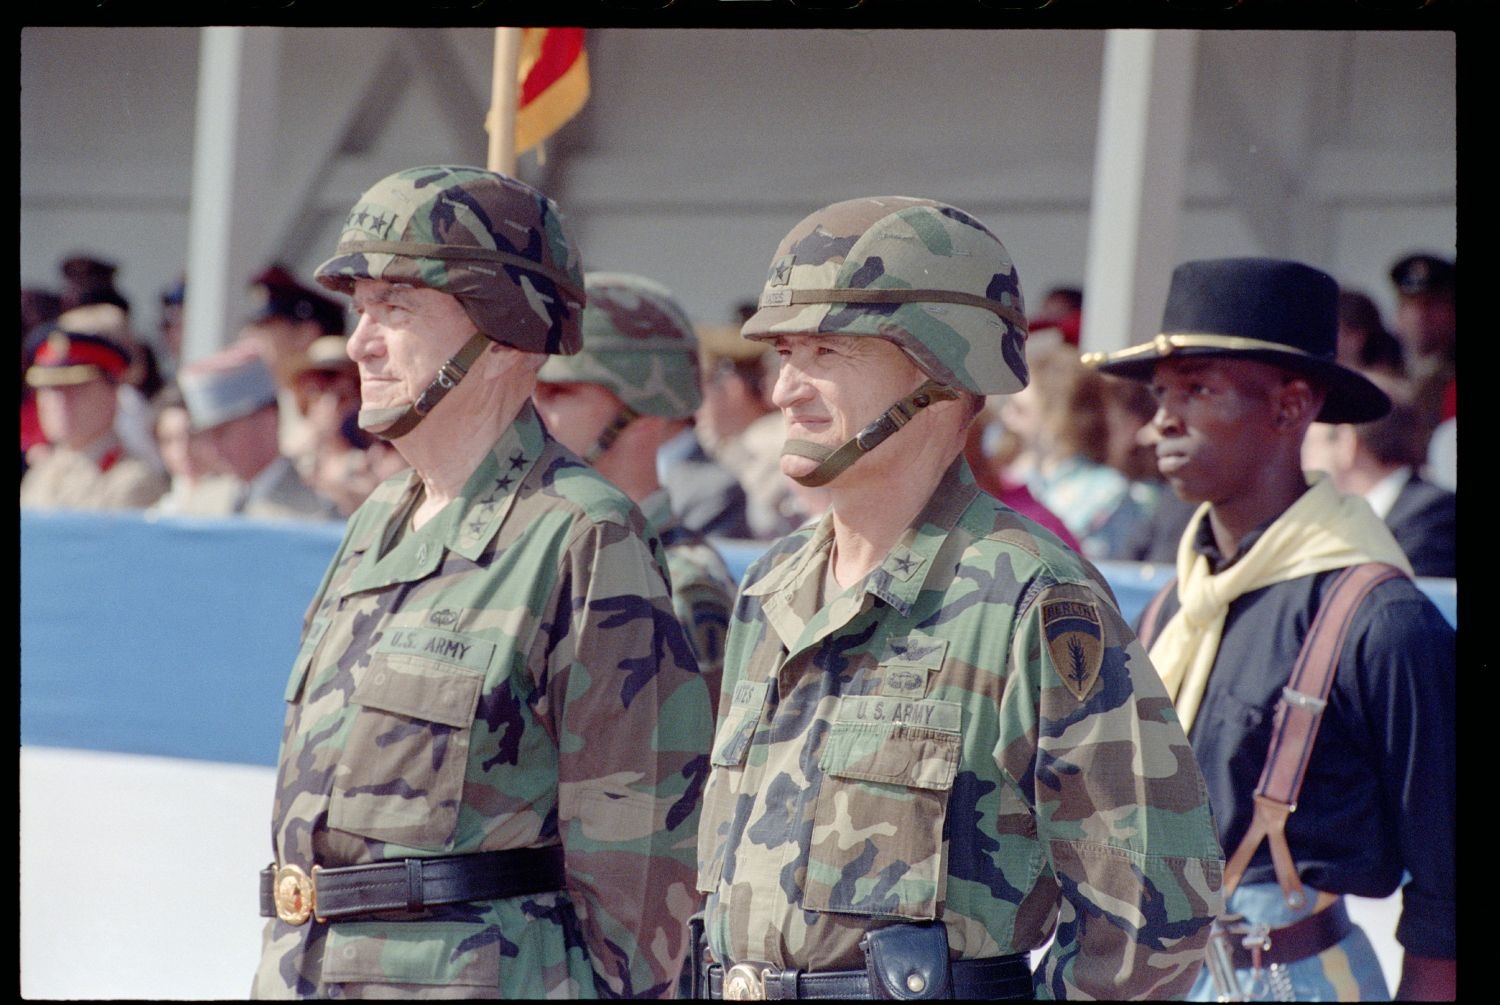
{"x":285,"y":320}
{"x":496,"y":730}
{"x":631,"y":390}
{"x":1244,"y":363}
{"x":1427,"y":325}
{"x":231,"y":396}
{"x":930,"y":704}
{"x":88,"y":280}
{"x":77,"y":376}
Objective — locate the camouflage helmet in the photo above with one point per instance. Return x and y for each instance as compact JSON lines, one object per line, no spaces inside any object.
{"x":927,"y":276}
{"x":496,"y":244}
{"x":638,"y":342}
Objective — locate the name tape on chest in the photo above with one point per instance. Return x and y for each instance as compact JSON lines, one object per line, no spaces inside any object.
{"x":460,"y":650}
{"x":749,"y":694}
{"x":876,"y":710}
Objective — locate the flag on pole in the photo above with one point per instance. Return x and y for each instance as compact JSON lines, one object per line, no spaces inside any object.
{"x":553,"y":74}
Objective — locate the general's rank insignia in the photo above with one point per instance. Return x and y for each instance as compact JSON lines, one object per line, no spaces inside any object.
{"x":1075,"y":639}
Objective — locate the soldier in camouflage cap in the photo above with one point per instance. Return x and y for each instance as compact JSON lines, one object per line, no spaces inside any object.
{"x":939,"y":743}
{"x":632,"y":389}
{"x":495,"y":729}
{"x":495,"y":244}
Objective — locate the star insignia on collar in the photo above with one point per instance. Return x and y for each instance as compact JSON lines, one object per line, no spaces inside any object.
{"x":476,"y":525}
{"x":517,"y":460}
{"x":906,"y":563}
{"x":501,"y":484}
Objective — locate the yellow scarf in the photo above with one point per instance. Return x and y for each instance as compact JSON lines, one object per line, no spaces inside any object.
{"x":1322,"y":530}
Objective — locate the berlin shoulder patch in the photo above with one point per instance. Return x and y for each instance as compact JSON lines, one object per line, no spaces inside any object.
{"x":1075,"y":638}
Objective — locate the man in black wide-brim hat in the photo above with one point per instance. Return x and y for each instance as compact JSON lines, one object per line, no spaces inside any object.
{"x":1245,"y":361}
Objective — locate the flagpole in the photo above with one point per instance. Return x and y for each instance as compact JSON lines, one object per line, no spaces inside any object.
{"x":503,"y":101}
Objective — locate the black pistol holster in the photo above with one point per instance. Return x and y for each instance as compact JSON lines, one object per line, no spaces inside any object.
{"x":907,"y":962}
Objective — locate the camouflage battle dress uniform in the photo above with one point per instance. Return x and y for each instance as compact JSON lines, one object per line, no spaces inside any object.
{"x":969,"y":734}
{"x":507,"y":676}
{"x":640,"y":346}
{"x":702,"y":587}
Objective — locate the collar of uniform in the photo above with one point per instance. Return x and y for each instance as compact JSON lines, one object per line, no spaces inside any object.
{"x":899,"y":578}
{"x":1205,"y":544}
{"x":466,"y":525}
{"x":491,"y":490}
{"x":792,"y":569}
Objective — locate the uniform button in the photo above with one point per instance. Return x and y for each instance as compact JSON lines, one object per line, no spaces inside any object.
{"x":380,"y":677}
{"x":915,"y":983}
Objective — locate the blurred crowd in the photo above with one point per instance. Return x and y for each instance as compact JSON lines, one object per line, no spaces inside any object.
{"x":115,"y":418}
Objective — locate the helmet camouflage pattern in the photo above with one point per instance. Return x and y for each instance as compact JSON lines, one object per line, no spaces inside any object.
{"x":496,"y":244}
{"x":927,"y":276}
{"x":638,"y":342}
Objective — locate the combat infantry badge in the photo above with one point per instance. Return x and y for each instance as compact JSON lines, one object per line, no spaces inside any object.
{"x":1075,"y":638}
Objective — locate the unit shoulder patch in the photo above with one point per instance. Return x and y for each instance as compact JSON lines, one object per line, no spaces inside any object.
{"x":1075,"y":638}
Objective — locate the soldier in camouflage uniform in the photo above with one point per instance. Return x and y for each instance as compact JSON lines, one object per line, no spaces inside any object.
{"x":493,"y":717}
{"x":633,"y":388}
{"x":936,"y":730}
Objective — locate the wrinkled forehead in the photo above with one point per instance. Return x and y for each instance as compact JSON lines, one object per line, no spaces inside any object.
{"x":874,"y":348}
{"x":373,"y":290}
{"x":870,"y":345}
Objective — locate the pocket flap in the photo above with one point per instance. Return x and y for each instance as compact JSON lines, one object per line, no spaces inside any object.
{"x":920,"y":757}
{"x":421,"y":689}
{"x":417,"y":952}
{"x":303,"y":662}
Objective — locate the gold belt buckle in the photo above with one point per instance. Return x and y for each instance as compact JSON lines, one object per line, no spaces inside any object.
{"x":295,"y":894}
{"x":745,"y":982}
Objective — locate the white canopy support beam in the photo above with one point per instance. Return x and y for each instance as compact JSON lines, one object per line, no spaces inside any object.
{"x":227,"y":228}
{"x":1139,"y":170}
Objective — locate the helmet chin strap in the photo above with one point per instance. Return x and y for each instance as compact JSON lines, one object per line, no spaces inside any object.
{"x":624,"y":417}
{"x":833,"y":462}
{"x":393,"y":423}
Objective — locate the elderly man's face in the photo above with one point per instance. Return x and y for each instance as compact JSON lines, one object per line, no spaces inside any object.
{"x":404,"y":335}
{"x":75,"y":415}
{"x":832,"y":386}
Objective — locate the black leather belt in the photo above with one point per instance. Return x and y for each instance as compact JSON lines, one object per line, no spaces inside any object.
{"x":1299,"y":940}
{"x":408,"y":884}
{"x":998,"y":977}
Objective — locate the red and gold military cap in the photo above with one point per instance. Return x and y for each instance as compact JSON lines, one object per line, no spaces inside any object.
{"x":67,"y":358}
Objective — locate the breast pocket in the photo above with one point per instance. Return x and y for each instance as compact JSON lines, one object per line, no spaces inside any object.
{"x":401,"y":776}
{"x":303,"y":663}
{"x":877,"y":838}
{"x":731,"y":748}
